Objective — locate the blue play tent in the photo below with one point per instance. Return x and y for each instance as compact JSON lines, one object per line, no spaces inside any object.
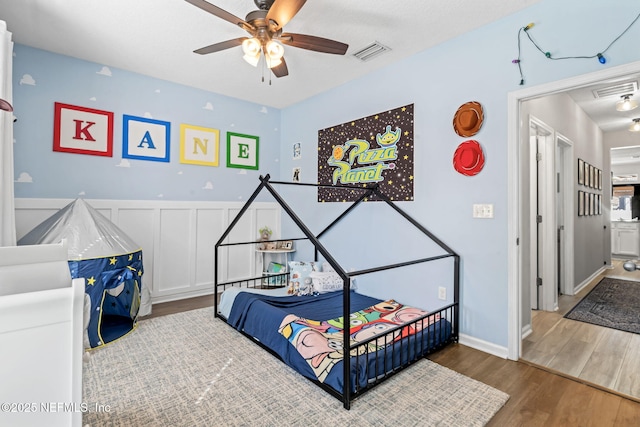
{"x":108,"y":260}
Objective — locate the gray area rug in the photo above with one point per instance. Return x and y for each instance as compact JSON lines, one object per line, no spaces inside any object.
{"x":189,"y":369}
{"x":612,"y":303}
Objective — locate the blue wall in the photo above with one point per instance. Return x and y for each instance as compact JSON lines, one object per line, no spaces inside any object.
{"x":57,"y":78}
{"x":476,"y":66}
{"x":473,"y":67}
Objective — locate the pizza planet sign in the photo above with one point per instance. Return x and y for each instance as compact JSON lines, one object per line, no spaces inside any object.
{"x":371,"y":160}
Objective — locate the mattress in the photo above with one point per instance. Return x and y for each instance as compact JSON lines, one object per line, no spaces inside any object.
{"x":261,"y":314}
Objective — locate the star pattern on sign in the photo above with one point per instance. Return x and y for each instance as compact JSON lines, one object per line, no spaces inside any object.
{"x":112,"y":261}
{"x":366,"y":129}
{"x":130,"y":257}
{"x":91,"y":281}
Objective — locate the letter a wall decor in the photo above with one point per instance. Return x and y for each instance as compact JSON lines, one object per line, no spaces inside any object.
{"x":373,"y":149}
{"x":82,"y":130}
{"x":243,"y":151}
{"x":145,"y":139}
{"x":199,"y":145}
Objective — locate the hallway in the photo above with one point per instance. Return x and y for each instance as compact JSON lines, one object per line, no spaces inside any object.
{"x":603,"y":357}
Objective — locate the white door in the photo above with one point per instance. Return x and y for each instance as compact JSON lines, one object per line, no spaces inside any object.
{"x":565,"y":167}
{"x":544,"y":283}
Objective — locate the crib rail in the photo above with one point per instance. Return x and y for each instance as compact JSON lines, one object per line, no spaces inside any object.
{"x":384,"y":355}
{"x":271,"y":281}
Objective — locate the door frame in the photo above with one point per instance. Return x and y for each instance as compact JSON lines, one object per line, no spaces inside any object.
{"x":514,"y":179}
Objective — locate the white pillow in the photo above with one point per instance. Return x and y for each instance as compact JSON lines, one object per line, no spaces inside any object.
{"x":326,"y":267}
{"x":326,"y":281}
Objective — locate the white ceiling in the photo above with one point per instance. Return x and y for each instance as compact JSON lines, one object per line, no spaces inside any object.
{"x":157,"y":38}
{"x":603,"y":109}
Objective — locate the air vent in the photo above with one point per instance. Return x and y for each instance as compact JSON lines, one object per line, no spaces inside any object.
{"x":618,"y":89}
{"x":371,"y":51}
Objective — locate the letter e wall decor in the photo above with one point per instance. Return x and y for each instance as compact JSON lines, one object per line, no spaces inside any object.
{"x":243,"y":151}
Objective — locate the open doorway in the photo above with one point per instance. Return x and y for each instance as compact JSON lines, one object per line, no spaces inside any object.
{"x":524,"y":216}
{"x":520,"y":215}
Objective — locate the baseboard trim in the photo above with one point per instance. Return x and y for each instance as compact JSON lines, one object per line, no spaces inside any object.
{"x":484,"y":346}
{"x":526,"y":331}
{"x":588,"y":280}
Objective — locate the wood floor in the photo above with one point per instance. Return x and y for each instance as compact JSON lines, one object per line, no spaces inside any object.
{"x":606,"y":357}
{"x":537,"y":397}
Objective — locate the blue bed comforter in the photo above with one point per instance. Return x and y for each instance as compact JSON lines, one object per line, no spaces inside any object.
{"x":261,"y":316}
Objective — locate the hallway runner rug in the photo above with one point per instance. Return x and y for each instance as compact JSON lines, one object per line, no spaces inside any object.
{"x":612,"y":303}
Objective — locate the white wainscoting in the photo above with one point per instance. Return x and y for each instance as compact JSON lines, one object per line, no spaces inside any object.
{"x":177,"y":238}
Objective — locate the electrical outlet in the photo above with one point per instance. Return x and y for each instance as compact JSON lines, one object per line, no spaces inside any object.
{"x":442,"y":293}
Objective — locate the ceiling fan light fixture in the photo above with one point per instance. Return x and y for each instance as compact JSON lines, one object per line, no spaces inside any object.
{"x":274,"y":50}
{"x":252,"y":60}
{"x":272,"y":62}
{"x":626,"y":103}
{"x":635,"y":126}
{"x":251,"y":47}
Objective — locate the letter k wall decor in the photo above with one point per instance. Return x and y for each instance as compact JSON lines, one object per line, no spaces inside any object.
{"x":82,"y":130}
{"x":145,"y":139}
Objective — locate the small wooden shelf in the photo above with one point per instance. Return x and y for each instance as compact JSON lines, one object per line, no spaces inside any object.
{"x":280,"y":256}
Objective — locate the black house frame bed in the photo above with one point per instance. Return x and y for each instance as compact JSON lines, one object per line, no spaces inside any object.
{"x":362,"y":368}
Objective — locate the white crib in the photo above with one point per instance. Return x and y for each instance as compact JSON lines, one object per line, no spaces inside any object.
{"x":41,"y":322}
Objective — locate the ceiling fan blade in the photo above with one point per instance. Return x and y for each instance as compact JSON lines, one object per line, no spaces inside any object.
{"x":318,"y":44}
{"x":281,"y":12}
{"x":281,"y":69}
{"x":217,"y":47}
{"x":221,"y":13}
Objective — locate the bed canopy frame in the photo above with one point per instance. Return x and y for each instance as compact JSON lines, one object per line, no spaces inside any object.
{"x":450,"y":311}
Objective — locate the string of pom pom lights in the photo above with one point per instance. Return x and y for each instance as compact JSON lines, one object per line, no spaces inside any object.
{"x":599,"y":55}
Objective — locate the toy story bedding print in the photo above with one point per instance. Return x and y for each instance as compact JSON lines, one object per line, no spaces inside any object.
{"x":373,"y":149}
{"x":320,"y":343}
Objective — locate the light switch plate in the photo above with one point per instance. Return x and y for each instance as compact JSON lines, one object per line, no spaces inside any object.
{"x":483,"y":210}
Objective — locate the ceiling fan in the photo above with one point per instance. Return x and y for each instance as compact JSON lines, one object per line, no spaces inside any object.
{"x":265,"y":26}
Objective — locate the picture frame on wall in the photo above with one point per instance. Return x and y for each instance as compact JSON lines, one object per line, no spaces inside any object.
{"x":580,"y":172}
{"x":591,"y":211}
{"x":580,"y":203}
{"x":82,"y":130}
{"x":243,"y":151}
{"x":599,"y":204}
{"x":586,"y":174}
{"x":599,"y":179}
{"x":146,"y":139}
{"x":199,"y":145}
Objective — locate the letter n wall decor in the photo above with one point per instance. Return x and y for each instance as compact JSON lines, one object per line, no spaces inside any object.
{"x":82,"y":130}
